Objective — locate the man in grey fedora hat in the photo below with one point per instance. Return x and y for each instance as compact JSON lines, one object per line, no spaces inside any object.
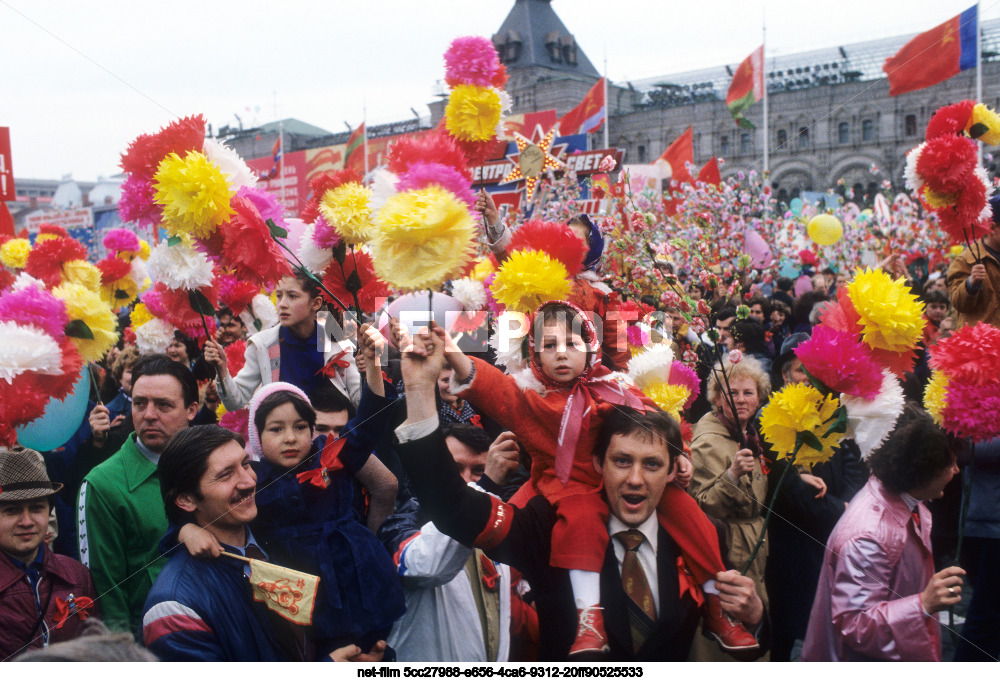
{"x":43,"y":596}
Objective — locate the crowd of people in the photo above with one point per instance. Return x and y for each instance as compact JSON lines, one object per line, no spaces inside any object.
{"x":455,"y":512}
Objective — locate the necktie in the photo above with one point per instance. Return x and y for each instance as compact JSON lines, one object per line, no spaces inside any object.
{"x":916,"y":519}
{"x":641,"y":610}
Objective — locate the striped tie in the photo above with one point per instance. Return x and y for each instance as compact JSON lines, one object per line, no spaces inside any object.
{"x":641,"y":610}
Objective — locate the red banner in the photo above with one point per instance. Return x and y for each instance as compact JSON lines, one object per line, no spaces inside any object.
{"x":6,"y":169}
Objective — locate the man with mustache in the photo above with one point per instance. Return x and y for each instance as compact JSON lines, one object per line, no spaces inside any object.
{"x":119,"y":510}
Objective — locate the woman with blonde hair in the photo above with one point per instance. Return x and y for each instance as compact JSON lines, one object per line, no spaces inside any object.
{"x":728,"y":482}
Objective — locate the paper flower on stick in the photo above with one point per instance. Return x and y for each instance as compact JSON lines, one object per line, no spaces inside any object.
{"x":972,"y":411}
{"x":235,"y":294}
{"x":891,"y":316}
{"x":434,"y":147}
{"x":180,"y":266}
{"x":529,"y":278}
{"x":986,"y":122}
{"x":320,"y":184}
{"x":248,"y":250}
{"x":935,"y":396}
{"x":137,"y":203}
{"x":424,"y":236}
{"x":421,"y":175}
{"x":358,"y":273}
{"x":682,"y":374}
{"x":840,"y":362}
{"x":346,"y":209}
{"x":92,"y":324}
{"x":553,"y":238}
{"x":120,"y":239}
{"x":154,"y":336}
{"x":14,"y":253}
{"x":194,"y":194}
{"x":471,"y":60}
{"x":971,"y":355}
{"x":179,"y":137}
{"x":45,"y":261}
{"x":870,"y":421}
{"x":799,"y":422}
{"x":473,"y":113}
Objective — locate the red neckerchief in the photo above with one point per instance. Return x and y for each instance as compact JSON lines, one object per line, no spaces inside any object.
{"x":66,"y":608}
{"x":491,"y":578}
{"x":687,"y":583}
{"x":329,"y":462}
{"x":330,"y":368}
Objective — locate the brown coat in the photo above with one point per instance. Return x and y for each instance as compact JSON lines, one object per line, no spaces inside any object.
{"x":983,"y":306}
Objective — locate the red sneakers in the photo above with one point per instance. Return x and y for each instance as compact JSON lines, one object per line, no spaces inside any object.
{"x":730,"y":634}
{"x":591,"y":644}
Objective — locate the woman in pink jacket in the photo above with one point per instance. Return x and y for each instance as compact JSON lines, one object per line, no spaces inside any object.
{"x":878,"y":594}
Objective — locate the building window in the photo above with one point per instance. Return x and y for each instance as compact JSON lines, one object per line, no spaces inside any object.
{"x":642,"y":153}
{"x":744,"y":143}
{"x":724,"y":145}
{"x":803,"y":137}
{"x":843,"y":133}
{"x":911,"y":125}
{"x":868,"y":130}
{"x":782,"y":137}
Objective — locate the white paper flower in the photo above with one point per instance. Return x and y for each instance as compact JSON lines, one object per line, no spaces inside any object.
{"x":24,"y":280}
{"x":383,"y":188}
{"x":315,"y":259}
{"x":652,"y":365}
{"x":27,"y":348}
{"x":870,"y":422}
{"x":180,"y":266}
{"x":470,"y":292}
{"x":238,"y":173}
{"x":507,"y":339}
{"x":264,"y":310}
{"x":910,"y":176}
{"x":154,"y":336}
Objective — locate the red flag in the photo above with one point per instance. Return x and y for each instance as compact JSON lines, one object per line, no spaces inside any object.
{"x":588,"y":115}
{"x":678,"y":155}
{"x":747,"y":87}
{"x":354,"y":153}
{"x":6,"y":220}
{"x":709,"y":173}
{"x":934,"y":56}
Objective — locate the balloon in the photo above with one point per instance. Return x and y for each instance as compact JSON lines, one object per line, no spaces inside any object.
{"x":796,"y":206}
{"x":414,"y":312}
{"x":758,"y":249}
{"x":788,"y":270}
{"x":825,"y":229}
{"x":60,"y":421}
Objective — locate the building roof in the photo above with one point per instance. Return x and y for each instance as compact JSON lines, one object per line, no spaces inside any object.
{"x":825,"y":66}
{"x":533,"y":35}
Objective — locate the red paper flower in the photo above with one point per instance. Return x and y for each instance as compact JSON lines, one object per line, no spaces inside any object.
{"x":21,"y":401}
{"x":972,"y":411}
{"x":174,"y":307}
{"x":248,"y":249}
{"x":971,"y":355}
{"x":146,"y":151}
{"x":112,"y":269}
{"x":55,"y":230}
{"x":950,"y":119}
{"x":6,"y":279}
{"x":236,"y":356}
{"x":554,"y":239}
{"x":947,"y":162}
{"x":841,"y":362}
{"x":46,"y":259}
{"x":128,"y":334}
{"x":58,"y":387}
{"x":235,"y":294}
{"x":372,"y":289}
{"x":434,"y":147}
{"x":322,"y":183}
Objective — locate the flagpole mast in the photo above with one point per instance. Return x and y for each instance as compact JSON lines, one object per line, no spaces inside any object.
{"x":607,"y":107}
{"x":767,"y":139}
{"x":281,"y":160}
{"x":364,"y":134}
{"x":979,"y":69}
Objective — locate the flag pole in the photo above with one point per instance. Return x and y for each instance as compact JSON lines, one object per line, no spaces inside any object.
{"x":364,"y":134}
{"x":767,"y":139}
{"x":607,"y":107}
{"x":979,"y":69}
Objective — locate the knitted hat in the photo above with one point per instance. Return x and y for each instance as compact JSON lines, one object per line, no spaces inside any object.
{"x":23,"y":476}
{"x":253,"y":447}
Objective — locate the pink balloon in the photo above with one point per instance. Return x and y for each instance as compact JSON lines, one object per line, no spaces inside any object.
{"x":758,"y":249}
{"x":413,"y":310}
{"x":296,"y":228}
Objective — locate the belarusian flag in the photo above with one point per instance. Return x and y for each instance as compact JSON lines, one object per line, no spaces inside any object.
{"x":354,"y":153}
{"x":747,"y":87}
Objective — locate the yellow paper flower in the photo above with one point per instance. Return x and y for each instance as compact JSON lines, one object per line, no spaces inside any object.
{"x":14,"y":253}
{"x":85,"y":305}
{"x":955,"y":251}
{"x":423,"y":237}
{"x":985,"y":115}
{"x":473,"y":113}
{"x":194,"y":194}
{"x":670,"y":398}
{"x":346,"y":208}
{"x":220,"y":411}
{"x":935,"y":200}
{"x":483,"y":269}
{"x":892,"y":317}
{"x":120,"y":292}
{"x":45,"y":237}
{"x":935,"y":395}
{"x":529,"y":278}
{"x":83,"y":273}
{"x":140,"y":315}
{"x":800,"y":408}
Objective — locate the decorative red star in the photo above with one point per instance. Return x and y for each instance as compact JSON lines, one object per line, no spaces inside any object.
{"x":532,"y":159}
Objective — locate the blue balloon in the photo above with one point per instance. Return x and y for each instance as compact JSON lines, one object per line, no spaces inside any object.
{"x":60,"y":421}
{"x":788,"y":270}
{"x":795,"y":205}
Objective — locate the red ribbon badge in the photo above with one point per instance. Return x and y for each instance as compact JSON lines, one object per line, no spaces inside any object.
{"x":336,"y":363}
{"x":687,"y":582}
{"x":329,"y":461}
{"x":491,"y":578}
{"x":66,"y":608}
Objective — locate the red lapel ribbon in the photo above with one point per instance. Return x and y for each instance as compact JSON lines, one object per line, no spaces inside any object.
{"x":66,"y":608}
{"x":476,"y":421}
{"x":330,"y":368}
{"x":329,"y":462}
{"x":491,"y":578}
{"x":687,"y":582}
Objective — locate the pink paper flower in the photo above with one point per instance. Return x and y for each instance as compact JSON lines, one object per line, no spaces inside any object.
{"x":735,"y":356}
{"x":471,"y":60}
{"x":420,"y":175}
{"x":607,"y":164}
{"x":682,"y":374}
{"x":838,"y":360}
{"x":136,"y":203}
{"x":972,"y":411}
{"x":324,"y":235}
{"x":36,"y":306}
{"x":971,"y":355}
{"x":120,"y":239}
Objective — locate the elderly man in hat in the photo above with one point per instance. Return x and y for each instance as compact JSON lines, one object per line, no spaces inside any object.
{"x":43,"y":596}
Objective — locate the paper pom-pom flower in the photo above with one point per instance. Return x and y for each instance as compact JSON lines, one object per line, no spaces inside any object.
{"x":795,"y":409}
{"x":174,"y":307}
{"x":936,"y":395}
{"x":237,"y":421}
{"x":84,"y":305}
{"x":46,"y":259}
{"x":83,"y":273}
{"x":194,"y":194}
{"x":473,"y":113}
{"x":433,"y":147}
{"x":946,"y":163}
{"x":990,"y":122}
{"x":950,"y":120}
{"x":60,"y":384}
{"x":553,"y":238}
{"x":682,"y":374}
{"x":510,"y":340}
{"x":35,"y":306}
{"x":841,"y":363}
{"x":154,"y":336}
{"x":140,"y":315}
{"x":471,"y":61}
{"x":346,"y":209}
{"x":180,"y":266}
{"x":313,"y":257}
{"x":27,"y":348}
{"x":483,"y":269}
{"x":14,"y":253}
{"x":470,"y":293}
{"x":870,"y":421}
{"x":235,"y":169}
{"x":422,"y":175}
{"x":120,"y":239}
{"x":235,"y":294}
{"x":891,"y":316}
{"x":529,"y":278}
{"x":266,"y":204}
{"x":668,"y":397}
{"x":320,"y":184}
{"x":179,"y":137}
{"x":264,"y":314}
{"x":972,"y":411}
{"x":137,"y":202}
{"x":424,"y":236}
{"x":971,"y":355}
{"x":21,"y":401}
{"x":112,"y":269}
{"x":249,"y":251}
{"x":236,"y":356}
{"x":359,"y":271}
{"x":651,"y":366}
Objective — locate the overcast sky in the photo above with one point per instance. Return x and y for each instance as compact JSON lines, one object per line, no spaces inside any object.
{"x":79,"y":80}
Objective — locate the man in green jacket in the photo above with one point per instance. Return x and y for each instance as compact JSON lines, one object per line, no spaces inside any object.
{"x":120,"y":510}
